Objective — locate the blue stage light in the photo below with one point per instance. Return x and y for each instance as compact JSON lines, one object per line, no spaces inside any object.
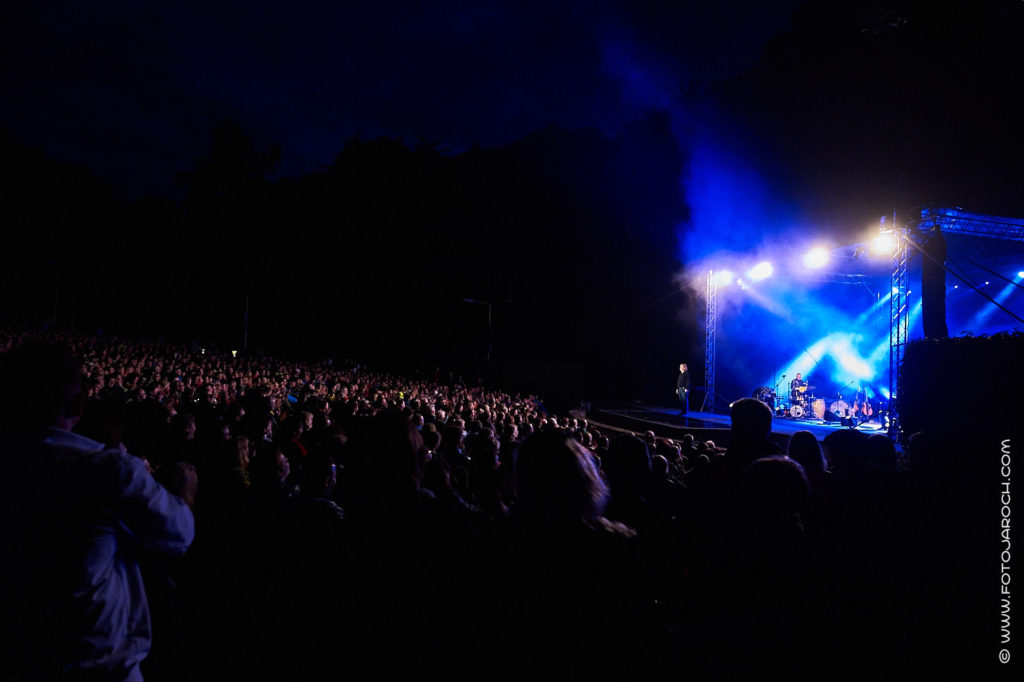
{"x":851,"y":362}
{"x":980,"y":319}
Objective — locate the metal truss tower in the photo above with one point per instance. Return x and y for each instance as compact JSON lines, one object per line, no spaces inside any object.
{"x":709,"y":343}
{"x":899,"y":320}
{"x":949,"y":220}
{"x":955,"y":221}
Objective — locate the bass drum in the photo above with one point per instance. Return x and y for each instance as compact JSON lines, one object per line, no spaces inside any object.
{"x":840,"y":408}
{"x":818,"y":407}
{"x":796,"y":411}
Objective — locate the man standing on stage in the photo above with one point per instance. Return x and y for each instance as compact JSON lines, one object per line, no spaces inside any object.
{"x":683,"y":387}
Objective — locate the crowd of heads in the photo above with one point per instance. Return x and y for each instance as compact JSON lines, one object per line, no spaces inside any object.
{"x":342,"y":510}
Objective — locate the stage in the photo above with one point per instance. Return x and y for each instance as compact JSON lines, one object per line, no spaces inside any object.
{"x":666,"y":422}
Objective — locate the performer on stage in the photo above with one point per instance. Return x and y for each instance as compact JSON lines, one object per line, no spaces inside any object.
{"x":683,"y":388}
{"x":797,"y":388}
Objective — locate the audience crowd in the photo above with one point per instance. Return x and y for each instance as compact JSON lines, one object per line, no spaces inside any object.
{"x":350,"y":521}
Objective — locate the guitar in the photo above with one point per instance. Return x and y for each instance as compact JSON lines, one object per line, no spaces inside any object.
{"x":863,"y":409}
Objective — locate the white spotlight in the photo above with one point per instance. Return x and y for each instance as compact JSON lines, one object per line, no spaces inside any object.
{"x":762,"y":270}
{"x":1021,"y":274}
{"x":723,"y":278}
{"x":884,"y":243}
{"x":816,"y":257}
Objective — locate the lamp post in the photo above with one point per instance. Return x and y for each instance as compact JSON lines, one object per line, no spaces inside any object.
{"x":489,"y":326}
{"x":245,"y":324}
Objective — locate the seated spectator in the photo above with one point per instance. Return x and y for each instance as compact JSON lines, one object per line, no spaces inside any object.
{"x":484,"y":477}
{"x":666,"y":495}
{"x":413,"y":567}
{"x":805,"y":450}
{"x":750,"y":431}
{"x":575,"y":577}
{"x":627,"y":469}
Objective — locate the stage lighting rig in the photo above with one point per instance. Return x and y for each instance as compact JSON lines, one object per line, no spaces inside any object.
{"x":762,"y":270}
{"x":723,"y":278}
{"x":816,"y":258}
{"x":884,"y":244}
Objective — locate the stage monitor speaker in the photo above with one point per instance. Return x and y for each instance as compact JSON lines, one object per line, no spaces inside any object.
{"x":831,"y":416}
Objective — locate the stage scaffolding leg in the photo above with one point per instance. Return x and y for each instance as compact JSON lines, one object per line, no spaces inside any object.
{"x":899,"y":318}
{"x":709,"y":344}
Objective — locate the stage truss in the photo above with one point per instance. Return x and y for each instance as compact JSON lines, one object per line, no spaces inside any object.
{"x":946,"y":220}
{"x":710,"y":317}
{"x":950,"y":220}
{"x":899,"y":322}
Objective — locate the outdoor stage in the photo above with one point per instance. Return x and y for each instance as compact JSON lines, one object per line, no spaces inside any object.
{"x":667,"y":423}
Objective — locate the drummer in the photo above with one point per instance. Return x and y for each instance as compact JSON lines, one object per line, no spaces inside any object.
{"x":797,"y":388}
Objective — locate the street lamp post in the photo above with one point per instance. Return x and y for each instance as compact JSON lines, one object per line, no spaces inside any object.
{"x":490,"y":336}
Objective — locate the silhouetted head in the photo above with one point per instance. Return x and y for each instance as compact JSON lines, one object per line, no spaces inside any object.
{"x":882,"y":451}
{"x":269,"y":466}
{"x":40,"y":385}
{"x":319,"y":475}
{"x":777,"y":489}
{"x":848,"y":452}
{"x":557,"y":480}
{"x":627,"y":464}
{"x":805,"y":450}
{"x":751,"y":419}
{"x":390,"y":453}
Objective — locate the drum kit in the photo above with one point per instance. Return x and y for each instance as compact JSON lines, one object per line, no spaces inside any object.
{"x":807,"y":408}
{"x":802,"y":404}
{"x":805,"y":405}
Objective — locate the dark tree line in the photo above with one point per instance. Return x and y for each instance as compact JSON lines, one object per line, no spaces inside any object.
{"x":568,"y":235}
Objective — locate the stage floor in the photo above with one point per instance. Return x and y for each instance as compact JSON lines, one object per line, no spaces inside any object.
{"x":670,"y":417}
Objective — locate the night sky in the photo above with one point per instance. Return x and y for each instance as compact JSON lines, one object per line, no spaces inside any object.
{"x":133,"y":89}
{"x":571,"y":162}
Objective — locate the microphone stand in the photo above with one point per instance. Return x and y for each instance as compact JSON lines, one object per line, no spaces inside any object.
{"x":776,"y":389}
